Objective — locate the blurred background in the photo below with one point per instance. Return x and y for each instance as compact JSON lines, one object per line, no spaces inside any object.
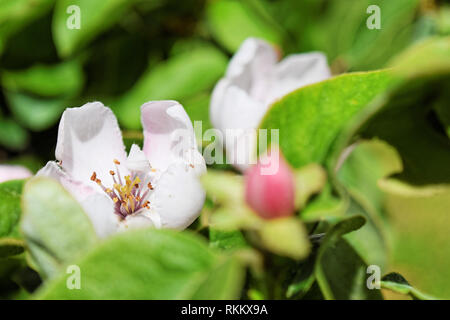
{"x":127,"y":52}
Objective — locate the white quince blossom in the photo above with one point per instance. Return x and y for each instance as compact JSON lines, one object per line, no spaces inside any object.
{"x":13,"y":172}
{"x":254,"y":80}
{"x":157,"y":186}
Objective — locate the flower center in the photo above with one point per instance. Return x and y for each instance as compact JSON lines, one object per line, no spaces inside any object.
{"x":129,"y":194}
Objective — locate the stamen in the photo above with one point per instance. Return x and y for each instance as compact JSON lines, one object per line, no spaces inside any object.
{"x":126,"y":192}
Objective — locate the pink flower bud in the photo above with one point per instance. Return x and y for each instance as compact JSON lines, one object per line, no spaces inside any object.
{"x":270,"y":188}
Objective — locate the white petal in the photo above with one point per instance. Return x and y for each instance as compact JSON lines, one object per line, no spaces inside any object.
{"x":297,"y":71}
{"x":100,"y":210}
{"x":138,"y":221}
{"x":89,"y":139}
{"x":237,"y":118}
{"x":137,"y":160}
{"x":168,"y":134}
{"x":78,"y":190}
{"x":251,"y":62}
{"x":11,"y":172}
{"x":178,"y":196}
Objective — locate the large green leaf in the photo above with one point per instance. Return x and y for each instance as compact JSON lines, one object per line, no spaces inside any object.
{"x":232,"y":21}
{"x":182,"y":76}
{"x":10,"y":239}
{"x":55,"y":227}
{"x":96,"y":16}
{"x":310,"y":118}
{"x":151,"y":264}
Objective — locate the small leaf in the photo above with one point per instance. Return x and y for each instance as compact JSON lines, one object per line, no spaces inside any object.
{"x":395,"y":282}
{"x":56,"y":229}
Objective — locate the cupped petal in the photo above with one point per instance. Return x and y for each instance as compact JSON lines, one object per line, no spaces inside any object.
{"x":296,"y":71}
{"x":178,"y":196}
{"x":254,"y":60}
{"x":89,"y":139}
{"x":12,"y":172}
{"x":80,"y":191}
{"x":168,"y":135}
{"x":100,"y":210}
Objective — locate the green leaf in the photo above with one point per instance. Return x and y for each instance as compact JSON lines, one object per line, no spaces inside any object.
{"x":12,"y":136}
{"x":232,"y":21}
{"x":404,"y":122}
{"x":310,"y":118}
{"x":151,"y":264}
{"x":339,"y":270}
{"x":303,"y":279}
{"x":33,"y":112}
{"x":421,"y":244}
{"x":367,"y":164}
{"x":55,"y":227}
{"x":96,"y":16}
{"x":10,"y":238}
{"x":404,"y":116}
{"x":428,"y":57}
{"x":46,"y":80}
{"x":182,"y":76}
{"x":395,"y":282}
